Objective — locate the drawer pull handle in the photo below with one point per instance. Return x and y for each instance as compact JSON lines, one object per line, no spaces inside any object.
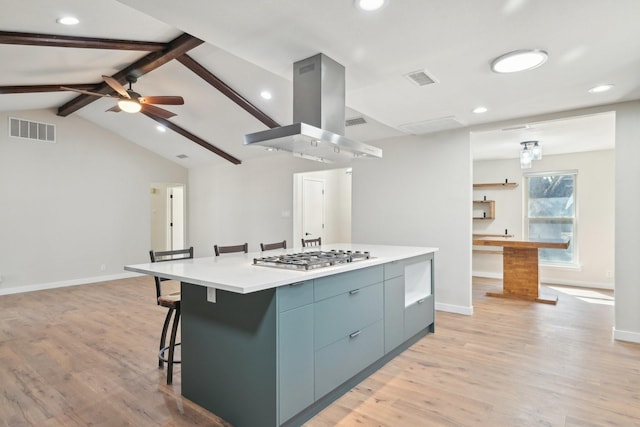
{"x":420,"y":301}
{"x":353,"y":292}
{"x":354,"y":334}
{"x":296,"y":284}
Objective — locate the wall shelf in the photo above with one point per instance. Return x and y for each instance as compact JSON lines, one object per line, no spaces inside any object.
{"x":496,"y":185}
{"x":484,"y":209}
{"x":480,"y":236}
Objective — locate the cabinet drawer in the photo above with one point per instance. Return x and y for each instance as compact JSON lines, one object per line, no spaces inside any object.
{"x":343,"y":359}
{"x":418,"y":316}
{"x":336,"y":317}
{"x":329,"y":286}
{"x":294,"y":295}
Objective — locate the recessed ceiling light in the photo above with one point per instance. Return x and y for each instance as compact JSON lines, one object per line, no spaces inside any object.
{"x":480,"y":110}
{"x":369,"y":5}
{"x":68,"y":20}
{"x":161,"y":128}
{"x":519,"y":60}
{"x":600,"y":89}
{"x":265,"y":94}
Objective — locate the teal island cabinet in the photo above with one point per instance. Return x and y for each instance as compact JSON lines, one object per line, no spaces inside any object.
{"x":273,"y":347}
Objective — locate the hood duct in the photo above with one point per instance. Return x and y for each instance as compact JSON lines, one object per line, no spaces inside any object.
{"x":318,"y":116}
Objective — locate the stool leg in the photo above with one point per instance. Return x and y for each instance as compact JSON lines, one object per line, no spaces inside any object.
{"x":163,"y":336}
{"x":172,"y":345}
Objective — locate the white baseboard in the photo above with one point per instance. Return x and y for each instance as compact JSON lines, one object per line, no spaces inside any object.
{"x":552,"y":281}
{"x":626,"y":336}
{"x":65,"y":283}
{"x":458,"y":309}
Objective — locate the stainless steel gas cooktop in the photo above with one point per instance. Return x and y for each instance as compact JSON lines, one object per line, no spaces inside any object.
{"x":310,"y":260}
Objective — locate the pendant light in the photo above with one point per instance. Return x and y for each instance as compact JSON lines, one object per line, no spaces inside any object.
{"x":531,"y":150}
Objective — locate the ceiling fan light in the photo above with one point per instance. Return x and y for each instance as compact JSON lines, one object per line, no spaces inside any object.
{"x":129,"y":105}
{"x":519,"y":60}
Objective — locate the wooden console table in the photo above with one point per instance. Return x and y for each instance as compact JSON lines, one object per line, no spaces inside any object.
{"x":520,"y":267}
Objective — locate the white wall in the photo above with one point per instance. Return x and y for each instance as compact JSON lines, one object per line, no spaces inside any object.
{"x":72,"y":207}
{"x":418,"y":195}
{"x":595,"y":207}
{"x":627,"y":323}
{"x":251,"y":202}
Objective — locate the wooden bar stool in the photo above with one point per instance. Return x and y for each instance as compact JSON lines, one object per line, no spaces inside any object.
{"x":172,"y":303}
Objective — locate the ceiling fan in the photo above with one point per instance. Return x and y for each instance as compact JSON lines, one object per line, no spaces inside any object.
{"x":132,"y":102}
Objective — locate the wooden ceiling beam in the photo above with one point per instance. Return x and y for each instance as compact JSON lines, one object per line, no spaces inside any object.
{"x":8,"y":37}
{"x":43,"y":88}
{"x":201,"y":142}
{"x":177,"y":47}
{"x":214,"y":81}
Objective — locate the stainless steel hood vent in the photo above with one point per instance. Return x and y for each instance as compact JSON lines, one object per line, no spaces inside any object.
{"x":318,"y":116}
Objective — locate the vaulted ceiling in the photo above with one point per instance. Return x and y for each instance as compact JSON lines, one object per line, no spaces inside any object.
{"x":250,"y":45}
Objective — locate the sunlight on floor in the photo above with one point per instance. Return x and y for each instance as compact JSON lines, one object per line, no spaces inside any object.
{"x":591,"y":296}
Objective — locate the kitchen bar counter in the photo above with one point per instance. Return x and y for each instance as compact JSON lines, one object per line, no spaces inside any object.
{"x":263,"y":346}
{"x":520,"y":267}
{"x":236,"y":273}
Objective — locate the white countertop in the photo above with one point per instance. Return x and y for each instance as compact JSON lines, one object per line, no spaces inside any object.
{"x":236,"y":273}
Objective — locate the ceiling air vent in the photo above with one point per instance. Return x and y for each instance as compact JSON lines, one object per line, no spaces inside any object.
{"x":420,"y":78}
{"x":355,"y":121}
{"x":20,"y":128}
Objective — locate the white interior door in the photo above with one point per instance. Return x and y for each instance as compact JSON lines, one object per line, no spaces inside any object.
{"x":312,"y":208}
{"x":176,"y":217}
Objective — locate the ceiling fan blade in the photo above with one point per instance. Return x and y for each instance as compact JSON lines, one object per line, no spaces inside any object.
{"x":86,"y":92}
{"x":115,"y":85}
{"x":164,"y":100}
{"x":157,"y":111}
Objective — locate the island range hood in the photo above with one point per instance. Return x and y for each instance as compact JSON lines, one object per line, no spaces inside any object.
{"x":318,"y":115}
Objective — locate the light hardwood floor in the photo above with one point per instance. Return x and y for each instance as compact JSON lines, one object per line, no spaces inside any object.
{"x":85,"y":355}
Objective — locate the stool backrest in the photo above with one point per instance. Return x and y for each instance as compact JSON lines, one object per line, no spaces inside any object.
{"x":270,"y":246}
{"x":229,"y":249}
{"x":162,"y":256}
{"x":311,"y":242}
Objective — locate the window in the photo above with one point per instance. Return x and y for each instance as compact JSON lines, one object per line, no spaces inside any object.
{"x":551,"y":213}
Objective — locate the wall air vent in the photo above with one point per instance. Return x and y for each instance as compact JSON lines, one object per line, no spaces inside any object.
{"x":420,"y":78}
{"x":20,"y":128}
{"x":355,"y":121}
{"x":431,"y":125}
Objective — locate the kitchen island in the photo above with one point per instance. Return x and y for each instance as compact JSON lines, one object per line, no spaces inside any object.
{"x":263,"y":346}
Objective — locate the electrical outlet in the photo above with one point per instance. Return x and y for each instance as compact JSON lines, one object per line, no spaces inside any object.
{"x":211,"y":295}
{"x":610,"y":274}
{"x":103,"y":267}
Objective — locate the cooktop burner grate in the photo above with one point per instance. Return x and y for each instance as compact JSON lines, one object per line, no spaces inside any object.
{"x":311,"y":260}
